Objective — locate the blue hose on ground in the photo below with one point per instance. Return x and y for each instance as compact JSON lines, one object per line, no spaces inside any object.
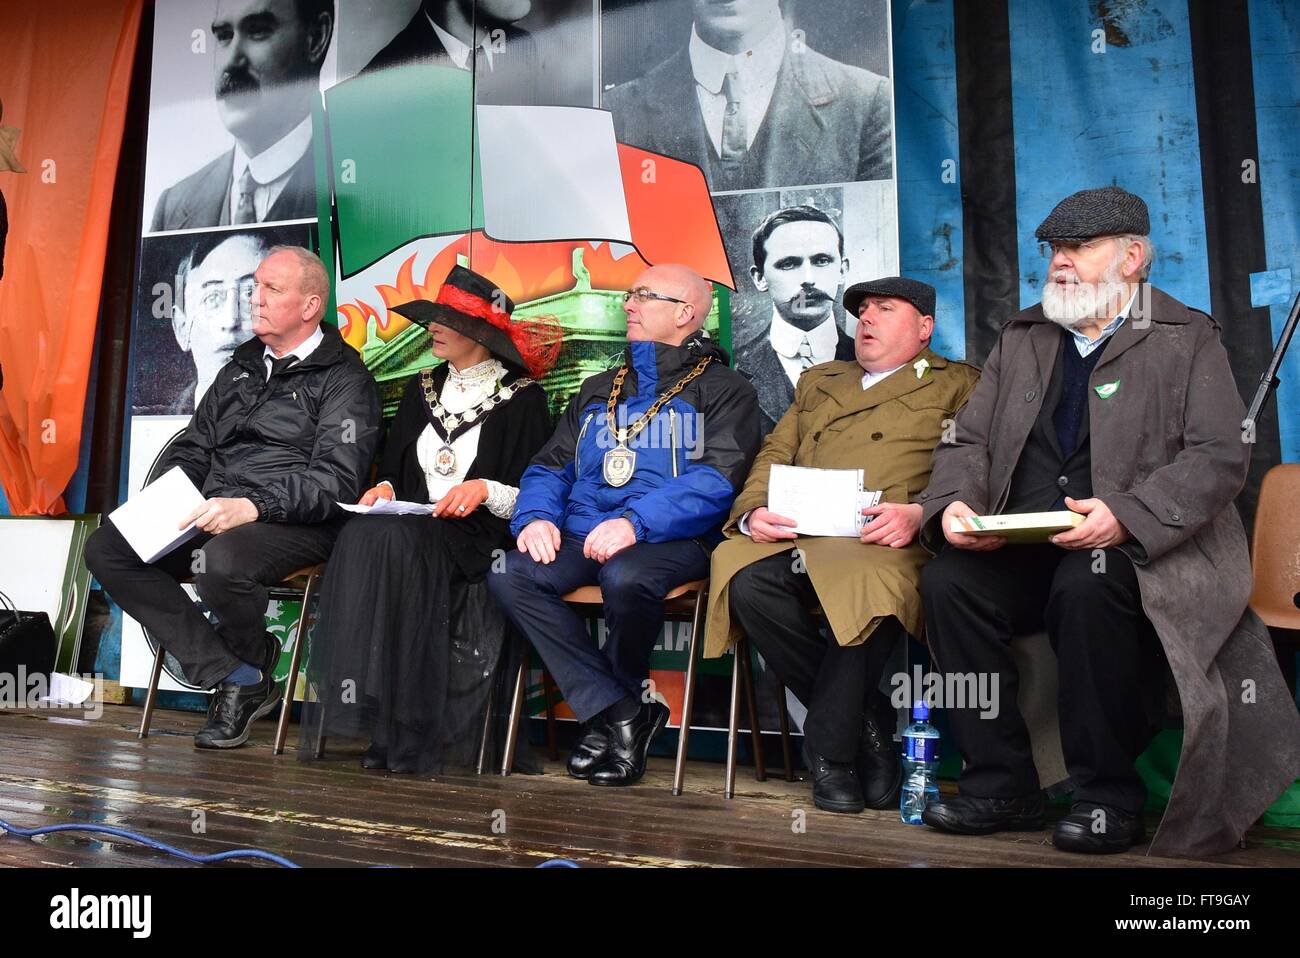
{"x":255,"y":853}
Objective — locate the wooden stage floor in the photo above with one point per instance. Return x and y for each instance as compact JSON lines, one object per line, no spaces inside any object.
{"x":55,"y":769}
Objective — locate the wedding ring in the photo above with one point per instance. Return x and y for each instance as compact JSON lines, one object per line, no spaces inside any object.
{"x":460,"y":508}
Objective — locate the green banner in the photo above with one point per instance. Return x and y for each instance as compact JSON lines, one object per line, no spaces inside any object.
{"x":399,"y":141}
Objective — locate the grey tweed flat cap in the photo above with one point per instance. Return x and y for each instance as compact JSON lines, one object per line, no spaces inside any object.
{"x":1107,"y":211}
{"x":921,"y":295}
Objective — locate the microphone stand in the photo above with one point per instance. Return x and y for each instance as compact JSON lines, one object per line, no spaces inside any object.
{"x":1269,"y":381}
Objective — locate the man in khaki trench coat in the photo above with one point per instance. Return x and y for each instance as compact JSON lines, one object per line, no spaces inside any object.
{"x":1114,"y":400}
{"x":882,"y":413}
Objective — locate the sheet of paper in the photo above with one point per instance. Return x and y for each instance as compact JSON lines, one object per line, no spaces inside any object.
{"x":68,"y":689}
{"x":151,"y":519}
{"x":822,"y":502}
{"x":391,"y":507}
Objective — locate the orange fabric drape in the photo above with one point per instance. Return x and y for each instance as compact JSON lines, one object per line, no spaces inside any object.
{"x":65,"y":72}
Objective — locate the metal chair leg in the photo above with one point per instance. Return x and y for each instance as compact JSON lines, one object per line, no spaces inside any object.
{"x":487,"y":723}
{"x":751,"y":706}
{"x":688,"y":698}
{"x":733,"y":722}
{"x":786,"y":755}
{"x":319,"y":751}
{"x":151,"y":694}
{"x":295,"y":662}
{"x":516,"y":708}
{"x":551,"y":748}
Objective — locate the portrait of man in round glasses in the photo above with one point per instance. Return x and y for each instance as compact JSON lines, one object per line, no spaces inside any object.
{"x":212,"y":313}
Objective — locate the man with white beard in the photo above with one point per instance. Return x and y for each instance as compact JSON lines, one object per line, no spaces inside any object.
{"x":1113,"y":400}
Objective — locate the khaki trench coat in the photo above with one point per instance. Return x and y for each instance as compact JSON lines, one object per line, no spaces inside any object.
{"x":889,"y":431}
{"x":1167,"y":458}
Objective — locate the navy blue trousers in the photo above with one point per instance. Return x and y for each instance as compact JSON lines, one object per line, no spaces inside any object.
{"x":633,"y":583}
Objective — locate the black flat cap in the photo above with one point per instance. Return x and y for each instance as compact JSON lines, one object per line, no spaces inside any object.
{"x":1108,"y":211}
{"x":920,"y":295}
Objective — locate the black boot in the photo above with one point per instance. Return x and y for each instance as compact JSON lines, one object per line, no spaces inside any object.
{"x":629,"y":742}
{"x":592,"y":748}
{"x":969,"y":815}
{"x":880,"y":771}
{"x":233,"y":709}
{"x":835,"y":784}
{"x":1098,"y":829}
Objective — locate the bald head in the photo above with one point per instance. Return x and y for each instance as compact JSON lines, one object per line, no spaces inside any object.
{"x":670,"y":320}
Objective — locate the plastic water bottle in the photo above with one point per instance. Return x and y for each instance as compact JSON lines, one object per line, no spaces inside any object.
{"x":920,"y":765}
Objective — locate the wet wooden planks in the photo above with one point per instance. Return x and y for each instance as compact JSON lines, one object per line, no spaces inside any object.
{"x":55,"y":769}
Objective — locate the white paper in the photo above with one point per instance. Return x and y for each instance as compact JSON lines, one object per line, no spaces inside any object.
{"x":68,"y":690}
{"x":822,"y":502}
{"x":391,"y":507}
{"x":151,"y":519}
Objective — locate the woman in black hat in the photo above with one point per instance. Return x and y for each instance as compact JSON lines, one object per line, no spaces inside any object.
{"x":407,"y":638}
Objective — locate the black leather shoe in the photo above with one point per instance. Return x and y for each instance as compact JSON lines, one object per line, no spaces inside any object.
{"x":880,"y":771}
{"x":592,"y":749}
{"x":1098,"y":829}
{"x":835,"y":784}
{"x":628,"y":744}
{"x":374,"y":757}
{"x":233,"y":709}
{"x":968,"y":815}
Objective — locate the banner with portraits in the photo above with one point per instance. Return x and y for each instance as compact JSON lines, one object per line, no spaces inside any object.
{"x":558,"y":148}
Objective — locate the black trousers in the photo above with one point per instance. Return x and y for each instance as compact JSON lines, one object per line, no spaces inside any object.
{"x":772,"y":604}
{"x":633,"y":584}
{"x":1108,"y":657}
{"x":231,"y":572}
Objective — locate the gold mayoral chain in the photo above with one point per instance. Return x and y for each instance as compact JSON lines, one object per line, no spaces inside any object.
{"x":444,"y":460}
{"x":620,"y":462}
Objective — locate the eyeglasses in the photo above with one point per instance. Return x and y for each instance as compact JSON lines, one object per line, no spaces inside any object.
{"x":214,"y":296}
{"x":644,"y":296}
{"x":1048,"y":250}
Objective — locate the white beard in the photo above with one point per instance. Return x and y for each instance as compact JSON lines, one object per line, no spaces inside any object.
{"x":1076,"y":303}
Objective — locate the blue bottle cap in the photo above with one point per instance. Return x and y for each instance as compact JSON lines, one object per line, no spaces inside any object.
{"x":920,"y":711}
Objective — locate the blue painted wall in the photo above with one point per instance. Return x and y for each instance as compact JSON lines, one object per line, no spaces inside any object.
{"x":1275,"y":64}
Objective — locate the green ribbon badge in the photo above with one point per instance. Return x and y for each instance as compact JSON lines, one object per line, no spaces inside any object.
{"x":1106,"y":390}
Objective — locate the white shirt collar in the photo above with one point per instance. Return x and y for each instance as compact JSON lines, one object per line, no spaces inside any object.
{"x":278,"y":158}
{"x":1087,"y":346}
{"x":786,"y":337}
{"x":302,"y":350}
{"x":457,"y":49}
{"x":710,"y":65}
{"x":869,"y":379}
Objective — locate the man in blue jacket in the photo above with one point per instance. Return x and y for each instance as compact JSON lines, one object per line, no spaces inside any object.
{"x":630,"y":494}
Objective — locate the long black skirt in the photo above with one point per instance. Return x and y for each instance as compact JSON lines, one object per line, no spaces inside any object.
{"x":404,"y":651}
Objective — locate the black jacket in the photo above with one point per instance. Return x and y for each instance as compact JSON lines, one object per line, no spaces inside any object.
{"x":296,"y":445}
{"x":510,"y":437}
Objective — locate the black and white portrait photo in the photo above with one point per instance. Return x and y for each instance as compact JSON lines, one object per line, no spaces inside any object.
{"x":746,"y":90}
{"x":793,"y":253}
{"x":521,"y":52}
{"x":255,"y":67}
{"x":195,"y":305}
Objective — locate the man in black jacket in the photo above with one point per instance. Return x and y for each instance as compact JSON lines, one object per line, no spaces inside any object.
{"x":286,"y":432}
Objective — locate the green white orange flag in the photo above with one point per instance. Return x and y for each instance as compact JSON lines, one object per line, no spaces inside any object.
{"x":402,"y":167}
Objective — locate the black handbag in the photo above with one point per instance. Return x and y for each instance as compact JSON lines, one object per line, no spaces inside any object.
{"x":26,"y":640}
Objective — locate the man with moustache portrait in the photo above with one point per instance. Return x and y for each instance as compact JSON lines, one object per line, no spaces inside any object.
{"x":799,"y":262}
{"x":266,"y":74}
